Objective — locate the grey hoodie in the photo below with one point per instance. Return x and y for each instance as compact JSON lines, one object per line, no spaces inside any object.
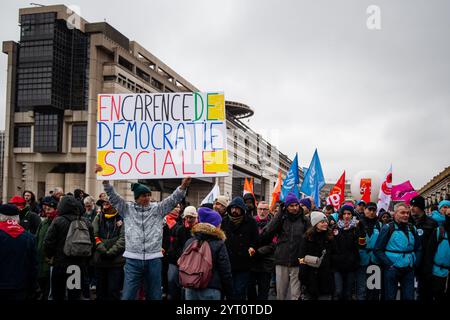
{"x":143,"y":225}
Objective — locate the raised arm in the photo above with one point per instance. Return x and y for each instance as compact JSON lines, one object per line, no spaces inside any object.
{"x":167,"y":205}
{"x":116,"y":200}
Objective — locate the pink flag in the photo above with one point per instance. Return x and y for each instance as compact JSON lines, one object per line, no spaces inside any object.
{"x":403,"y":192}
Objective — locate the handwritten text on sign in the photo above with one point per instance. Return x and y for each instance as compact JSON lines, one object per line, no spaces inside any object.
{"x":161,"y":135}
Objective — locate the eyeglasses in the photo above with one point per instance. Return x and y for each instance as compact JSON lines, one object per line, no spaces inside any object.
{"x":263,"y":209}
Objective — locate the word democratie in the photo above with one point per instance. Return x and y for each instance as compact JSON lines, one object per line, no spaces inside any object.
{"x":161,"y":135}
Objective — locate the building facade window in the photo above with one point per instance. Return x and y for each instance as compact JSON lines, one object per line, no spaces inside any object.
{"x":47,"y":132}
{"x":22,"y":137}
{"x":79,"y":135}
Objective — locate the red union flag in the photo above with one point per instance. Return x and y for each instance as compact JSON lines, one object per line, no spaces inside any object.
{"x":384,"y":197}
{"x":365,"y":187}
{"x":337,"y":193}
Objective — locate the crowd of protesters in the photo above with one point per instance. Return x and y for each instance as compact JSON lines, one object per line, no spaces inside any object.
{"x":147,"y":250}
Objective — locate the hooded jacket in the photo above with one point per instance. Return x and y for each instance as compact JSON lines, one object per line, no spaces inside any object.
{"x":240,"y":237}
{"x":289,"y":230}
{"x":222,"y":277}
{"x":69,"y":209}
{"x":143,"y":225}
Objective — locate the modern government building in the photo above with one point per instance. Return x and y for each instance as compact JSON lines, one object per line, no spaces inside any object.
{"x":54,"y":75}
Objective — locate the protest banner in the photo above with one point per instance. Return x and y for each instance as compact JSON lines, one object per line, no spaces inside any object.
{"x":161,"y":135}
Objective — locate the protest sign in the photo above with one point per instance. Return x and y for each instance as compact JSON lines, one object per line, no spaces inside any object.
{"x":161,"y":135}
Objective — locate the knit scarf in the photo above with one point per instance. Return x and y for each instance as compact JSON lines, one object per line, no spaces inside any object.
{"x":347,"y":225}
{"x":236,"y":220}
{"x":110,"y":213}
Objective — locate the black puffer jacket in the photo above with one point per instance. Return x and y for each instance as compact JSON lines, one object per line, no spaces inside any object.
{"x":69,"y":209}
{"x":318,"y":281}
{"x":240,"y":237}
{"x":289,"y":230}
{"x":222,"y":278}
{"x":345,"y":252}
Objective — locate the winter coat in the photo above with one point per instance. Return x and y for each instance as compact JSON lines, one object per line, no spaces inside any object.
{"x":44,"y":267}
{"x":437,"y":254}
{"x":425,"y":227}
{"x":69,"y":209}
{"x":264,"y":257}
{"x":400,"y":248}
{"x":110,"y":241}
{"x":289,"y":230}
{"x":18,"y":262}
{"x":345,"y":253}
{"x":318,"y":281}
{"x":240,"y":237}
{"x":29,"y":220}
{"x":222,"y":277}
{"x":143,"y":225}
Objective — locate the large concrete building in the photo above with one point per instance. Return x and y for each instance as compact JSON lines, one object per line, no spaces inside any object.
{"x":437,"y":189}
{"x":54,"y":75}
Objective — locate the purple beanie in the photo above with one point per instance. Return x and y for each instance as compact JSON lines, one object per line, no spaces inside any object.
{"x":306,"y":202}
{"x":207,"y":215}
{"x":290,"y":199}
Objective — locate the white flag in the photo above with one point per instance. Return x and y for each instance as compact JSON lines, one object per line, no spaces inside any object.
{"x":215,"y":192}
{"x":384,"y":197}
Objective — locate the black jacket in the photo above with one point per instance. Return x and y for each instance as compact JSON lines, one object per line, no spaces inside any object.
{"x":318,"y":281}
{"x":289,"y":230}
{"x":180,"y":235}
{"x":264,"y":257}
{"x":222,"y":277}
{"x":425,"y":227}
{"x":29,"y":220}
{"x":69,"y":209}
{"x":345,"y":251}
{"x":18,"y":263}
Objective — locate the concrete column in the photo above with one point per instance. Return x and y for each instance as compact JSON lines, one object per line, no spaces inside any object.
{"x":12,"y":171}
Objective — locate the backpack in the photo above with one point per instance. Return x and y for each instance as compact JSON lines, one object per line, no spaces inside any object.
{"x":195,"y":265}
{"x":78,"y":240}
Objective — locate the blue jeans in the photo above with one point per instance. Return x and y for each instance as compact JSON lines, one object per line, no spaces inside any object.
{"x":202,"y":294}
{"x":173,"y":289}
{"x":240,"y":284}
{"x":138,"y":270}
{"x":392,"y":276}
{"x":344,"y":282}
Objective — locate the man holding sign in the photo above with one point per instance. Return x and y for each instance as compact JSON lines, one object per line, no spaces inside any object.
{"x":143,"y":236}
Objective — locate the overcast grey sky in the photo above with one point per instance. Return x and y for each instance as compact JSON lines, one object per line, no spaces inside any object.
{"x":311,"y":69}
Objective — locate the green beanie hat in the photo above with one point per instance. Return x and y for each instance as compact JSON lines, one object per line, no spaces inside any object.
{"x":139,"y":189}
